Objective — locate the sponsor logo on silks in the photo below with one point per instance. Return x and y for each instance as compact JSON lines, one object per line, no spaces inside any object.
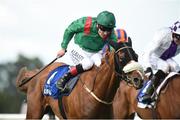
{"x":76,"y":57}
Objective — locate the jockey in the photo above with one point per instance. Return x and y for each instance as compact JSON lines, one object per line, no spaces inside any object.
{"x":166,"y":46}
{"x":90,"y":35}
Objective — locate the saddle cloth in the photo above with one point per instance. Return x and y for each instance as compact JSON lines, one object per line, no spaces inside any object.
{"x":50,"y":88}
{"x":157,"y":92}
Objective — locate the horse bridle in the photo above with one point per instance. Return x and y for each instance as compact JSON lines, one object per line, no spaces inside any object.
{"x":125,"y":47}
{"x":134,"y":82}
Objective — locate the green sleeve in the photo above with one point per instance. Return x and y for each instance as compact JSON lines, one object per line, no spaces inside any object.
{"x":75,"y":27}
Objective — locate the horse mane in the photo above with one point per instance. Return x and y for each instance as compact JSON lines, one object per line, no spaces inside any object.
{"x":108,"y":55}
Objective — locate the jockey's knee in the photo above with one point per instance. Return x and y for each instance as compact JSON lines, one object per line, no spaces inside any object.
{"x":97,"y":59}
{"x":175,"y":67}
{"x":97,"y":63}
{"x":86,"y":65}
{"x":165,"y":68}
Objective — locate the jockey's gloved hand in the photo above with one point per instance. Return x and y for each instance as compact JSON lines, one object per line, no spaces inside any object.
{"x":61,"y":52}
{"x":149,"y":72}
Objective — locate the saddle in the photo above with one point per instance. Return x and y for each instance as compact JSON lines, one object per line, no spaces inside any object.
{"x":50,"y":88}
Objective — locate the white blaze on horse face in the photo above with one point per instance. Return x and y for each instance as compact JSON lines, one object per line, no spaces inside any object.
{"x":133,"y":65}
{"x":134,"y":74}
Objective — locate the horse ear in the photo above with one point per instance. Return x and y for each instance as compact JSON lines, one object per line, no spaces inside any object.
{"x":129,"y":42}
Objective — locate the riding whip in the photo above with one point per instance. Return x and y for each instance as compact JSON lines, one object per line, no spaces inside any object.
{"x":28,"y":79}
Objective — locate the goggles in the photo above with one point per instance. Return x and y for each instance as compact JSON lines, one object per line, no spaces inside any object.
{"x":177,"y":36}
{"x":102,"y":28}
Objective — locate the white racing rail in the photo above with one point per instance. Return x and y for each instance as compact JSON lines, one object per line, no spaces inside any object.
{"x":19,"y":117}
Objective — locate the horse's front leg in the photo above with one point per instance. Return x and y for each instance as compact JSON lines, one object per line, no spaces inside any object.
{"x":55,"y":107}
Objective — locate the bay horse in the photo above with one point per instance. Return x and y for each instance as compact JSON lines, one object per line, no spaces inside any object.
{"x":91,"y":97}
{"x":166,"y":106}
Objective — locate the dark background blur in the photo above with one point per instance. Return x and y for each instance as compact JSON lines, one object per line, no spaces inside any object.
{"x":10,"y":98}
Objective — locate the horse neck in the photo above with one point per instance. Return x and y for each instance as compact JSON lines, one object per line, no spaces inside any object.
{"x":106,"y":79}
{"x":127,"y":98}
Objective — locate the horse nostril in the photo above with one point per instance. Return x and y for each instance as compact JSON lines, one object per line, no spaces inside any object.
{"x":136,"y":79}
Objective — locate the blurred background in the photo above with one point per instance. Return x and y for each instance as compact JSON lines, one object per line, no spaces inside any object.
{"x":31,"y":32}
{"x":11,"y":99}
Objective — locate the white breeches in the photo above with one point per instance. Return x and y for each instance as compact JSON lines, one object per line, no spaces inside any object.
{"x":166,"y":66}
{"x":76,"y":55}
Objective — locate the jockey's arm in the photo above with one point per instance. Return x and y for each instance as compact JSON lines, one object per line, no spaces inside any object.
{"x":74,"y":28}
{"x":153,"y":47}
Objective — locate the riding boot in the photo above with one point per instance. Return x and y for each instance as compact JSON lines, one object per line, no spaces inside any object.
{"x":153,"y":84}
{"x":61,"y":83}
{"x":149,"y":73}
{"x":67,"y":76}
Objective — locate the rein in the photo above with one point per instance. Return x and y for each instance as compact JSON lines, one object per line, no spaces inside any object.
{"x":107,"y":62}
{"x":126,"y":47}
{"x":95,"y":96}
{"x":130,"y":82}
{"x":98,"y":99}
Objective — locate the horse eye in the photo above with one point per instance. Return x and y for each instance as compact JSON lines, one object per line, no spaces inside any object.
{"x":122,"y":55}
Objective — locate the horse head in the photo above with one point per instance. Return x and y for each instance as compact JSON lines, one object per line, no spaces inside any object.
{"x":127,"y":64}
{"x":124,"y":53}
{"x":125,"y":100}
